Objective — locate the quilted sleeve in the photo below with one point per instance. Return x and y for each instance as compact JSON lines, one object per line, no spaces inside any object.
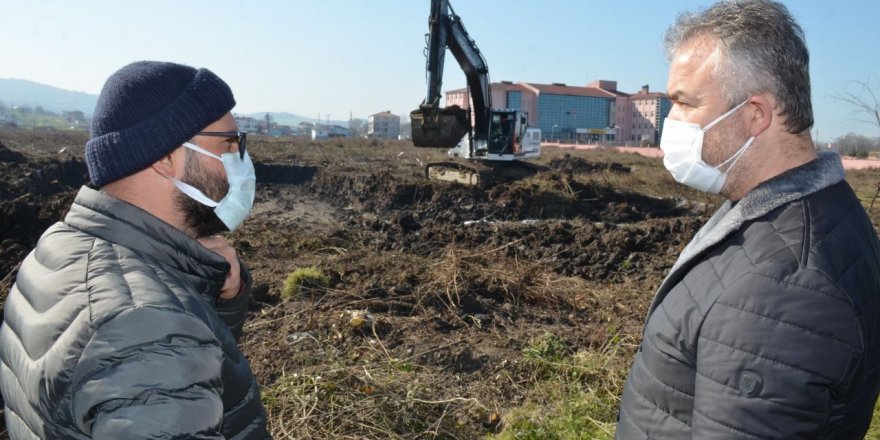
{"x":771,"y":353}
{"x":149,"y":372}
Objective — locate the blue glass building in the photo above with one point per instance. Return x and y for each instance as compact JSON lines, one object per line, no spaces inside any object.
{"x":564,"y":111}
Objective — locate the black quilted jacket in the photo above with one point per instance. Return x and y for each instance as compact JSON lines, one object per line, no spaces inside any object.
{"x":112,"y":332}
{"x":768,"y":326}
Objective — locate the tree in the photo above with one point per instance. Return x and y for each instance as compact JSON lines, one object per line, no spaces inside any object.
{"x":866,"y":106}
{"x":357,"y":127}
{"x":852,"y":144}
{"x":861,"y":97}
{"x":405,"y":128}
{"x":269,"y":122}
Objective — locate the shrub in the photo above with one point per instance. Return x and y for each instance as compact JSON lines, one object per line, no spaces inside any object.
{"x":860,"y":154}
{"x":546,"y":347}
{"x":304,"y":277}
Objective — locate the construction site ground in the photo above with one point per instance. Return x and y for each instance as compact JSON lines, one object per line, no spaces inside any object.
{"x":424,"y":309}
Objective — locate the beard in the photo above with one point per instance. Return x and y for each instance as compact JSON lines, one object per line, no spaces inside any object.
{"x":198,"y":218}
{"x":723,"y":141}
{"x":726,"y":141}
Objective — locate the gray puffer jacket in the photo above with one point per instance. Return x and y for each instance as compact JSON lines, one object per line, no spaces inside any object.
{"x":768,"y":325}
{"x":112,"y":331}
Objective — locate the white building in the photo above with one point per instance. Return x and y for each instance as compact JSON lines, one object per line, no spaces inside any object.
{"x":246,"y":124}
{"x":384,"y":125}
{"x":320,"y":132}
{"x":649,"y":111}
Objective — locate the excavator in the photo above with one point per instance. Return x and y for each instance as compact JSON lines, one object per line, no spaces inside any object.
{"x":493,"y":141}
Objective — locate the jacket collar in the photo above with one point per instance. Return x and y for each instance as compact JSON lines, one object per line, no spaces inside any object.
{"x":110,"y":219}
{"x":794,"y":184}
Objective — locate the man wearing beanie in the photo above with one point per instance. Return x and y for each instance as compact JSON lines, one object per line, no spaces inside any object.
{"x":123,"y":320}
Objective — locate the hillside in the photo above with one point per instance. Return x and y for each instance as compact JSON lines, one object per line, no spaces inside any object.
{"x":19,"y":92}
{"x":285,"y":118}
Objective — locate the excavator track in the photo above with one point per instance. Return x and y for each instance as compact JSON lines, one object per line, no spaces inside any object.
{"x":481,"y":173}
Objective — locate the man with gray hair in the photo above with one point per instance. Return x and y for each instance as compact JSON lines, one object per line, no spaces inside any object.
{"x":767,"y":325}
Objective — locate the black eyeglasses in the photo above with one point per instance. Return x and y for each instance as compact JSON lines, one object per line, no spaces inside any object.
{"x":240,"y":138}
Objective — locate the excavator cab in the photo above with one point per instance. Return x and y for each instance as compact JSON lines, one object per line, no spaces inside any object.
{"x":503,"y":132}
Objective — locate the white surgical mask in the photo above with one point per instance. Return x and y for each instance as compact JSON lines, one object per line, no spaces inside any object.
{"x":682,"y":145}
{"x":235,"y":206}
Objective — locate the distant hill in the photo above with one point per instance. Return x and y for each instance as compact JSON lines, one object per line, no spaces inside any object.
{"x":22,"y":92}
{"x":285,"y":118}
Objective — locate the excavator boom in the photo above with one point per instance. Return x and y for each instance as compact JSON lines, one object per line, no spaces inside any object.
{"x":499,"y":136}
{"x":432,"y":125}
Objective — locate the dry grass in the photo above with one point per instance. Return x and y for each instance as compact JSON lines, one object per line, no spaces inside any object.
{"x":460,"y":272}
{"x":392,"y":398}
{"x":866,"y":184}
{"x":384,"y":393}
{"x":340,"y":152}
{"x":44,"y":142}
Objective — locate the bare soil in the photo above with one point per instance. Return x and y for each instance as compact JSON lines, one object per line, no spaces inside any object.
{"x":455,"y":281}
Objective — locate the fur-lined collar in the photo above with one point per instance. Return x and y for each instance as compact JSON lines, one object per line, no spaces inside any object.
{"x":787,"y":187}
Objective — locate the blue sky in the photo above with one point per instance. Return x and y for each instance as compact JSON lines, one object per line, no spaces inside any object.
{"x":333,"y":57}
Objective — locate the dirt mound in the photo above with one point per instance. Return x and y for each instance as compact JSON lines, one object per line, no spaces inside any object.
{"x":283,"y":173}
{"x":568,"y":226}
{"x":581,"y":165}
{"x":36,"y":193}
{"x":548,"y":195}
{"x":10,"y":156}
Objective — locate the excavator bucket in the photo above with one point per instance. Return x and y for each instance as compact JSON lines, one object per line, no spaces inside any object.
{"x":443,"y":128}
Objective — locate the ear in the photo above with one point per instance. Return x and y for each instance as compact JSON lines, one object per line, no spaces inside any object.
{"x":759,"y":114}
{"x":167,"y":165}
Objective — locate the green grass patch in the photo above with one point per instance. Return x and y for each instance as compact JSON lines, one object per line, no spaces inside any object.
{"x":874,"y":431}
{"x":304,"y":277}
{"x":572,"y":395}
{"x":570,"y":416}
{"x":546,"y":348}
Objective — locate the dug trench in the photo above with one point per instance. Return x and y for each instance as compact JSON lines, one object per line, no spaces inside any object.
{"x":453,"y":282}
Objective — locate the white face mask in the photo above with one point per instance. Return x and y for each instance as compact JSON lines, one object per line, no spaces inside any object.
{"x":235,"y":206}
{"x":682,"y":145}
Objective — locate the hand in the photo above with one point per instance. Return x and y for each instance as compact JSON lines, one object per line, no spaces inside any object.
{"x":232,"y":286}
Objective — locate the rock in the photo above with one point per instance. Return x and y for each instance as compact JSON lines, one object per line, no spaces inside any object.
{"x":359,"y":320}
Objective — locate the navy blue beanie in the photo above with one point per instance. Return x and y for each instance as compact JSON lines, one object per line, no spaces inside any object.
{"x":146,"y":110}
